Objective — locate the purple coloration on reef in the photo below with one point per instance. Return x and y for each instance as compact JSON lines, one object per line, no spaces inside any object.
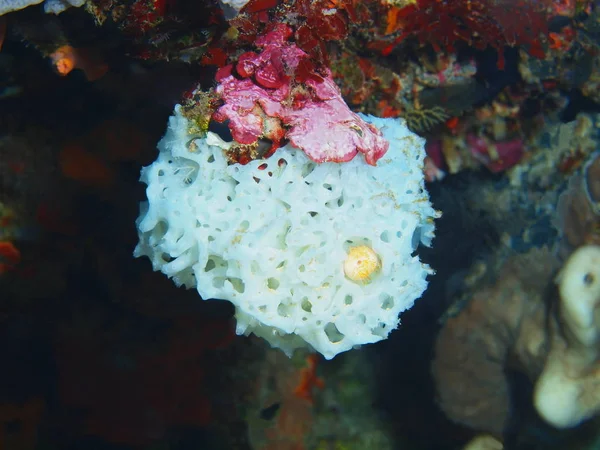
{"x":314,"y":115}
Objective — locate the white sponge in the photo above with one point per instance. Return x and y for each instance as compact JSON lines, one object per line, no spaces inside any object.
{"x":272,"y":236}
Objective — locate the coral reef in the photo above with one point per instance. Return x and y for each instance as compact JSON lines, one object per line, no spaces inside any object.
{"x":516,"y":323}
{"x":479,"y":23}
{"x":505,"y":94}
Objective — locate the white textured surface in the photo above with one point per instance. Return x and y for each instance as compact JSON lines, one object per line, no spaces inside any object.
{"x":232,"y":7}
{"x":58,"y":6}
{"x":272,"y":240}
{"x":50,"y":6}
{"x":7,"y":6}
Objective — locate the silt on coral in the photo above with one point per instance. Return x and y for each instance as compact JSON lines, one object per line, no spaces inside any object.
{"x":267,"y":95}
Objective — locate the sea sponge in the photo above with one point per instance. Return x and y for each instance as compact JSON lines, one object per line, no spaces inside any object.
{"x":501,"y":327}
{"x":272,"y":236}
{"x":568,"y":390}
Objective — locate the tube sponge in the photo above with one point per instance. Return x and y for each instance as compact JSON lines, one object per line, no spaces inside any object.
{"x":568,"y":390}
{"x":273,"y":236}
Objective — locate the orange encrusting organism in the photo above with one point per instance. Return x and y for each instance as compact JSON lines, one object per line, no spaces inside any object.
{"x":309,"y":379}
{"x":67,"y":58}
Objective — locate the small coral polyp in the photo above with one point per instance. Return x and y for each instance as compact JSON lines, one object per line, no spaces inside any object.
{"x":283,"y":238}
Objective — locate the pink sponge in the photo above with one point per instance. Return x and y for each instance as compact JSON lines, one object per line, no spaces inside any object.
{"x":263,"y":98}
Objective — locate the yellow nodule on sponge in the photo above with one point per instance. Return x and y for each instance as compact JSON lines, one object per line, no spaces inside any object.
{"x":361,"y":263}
